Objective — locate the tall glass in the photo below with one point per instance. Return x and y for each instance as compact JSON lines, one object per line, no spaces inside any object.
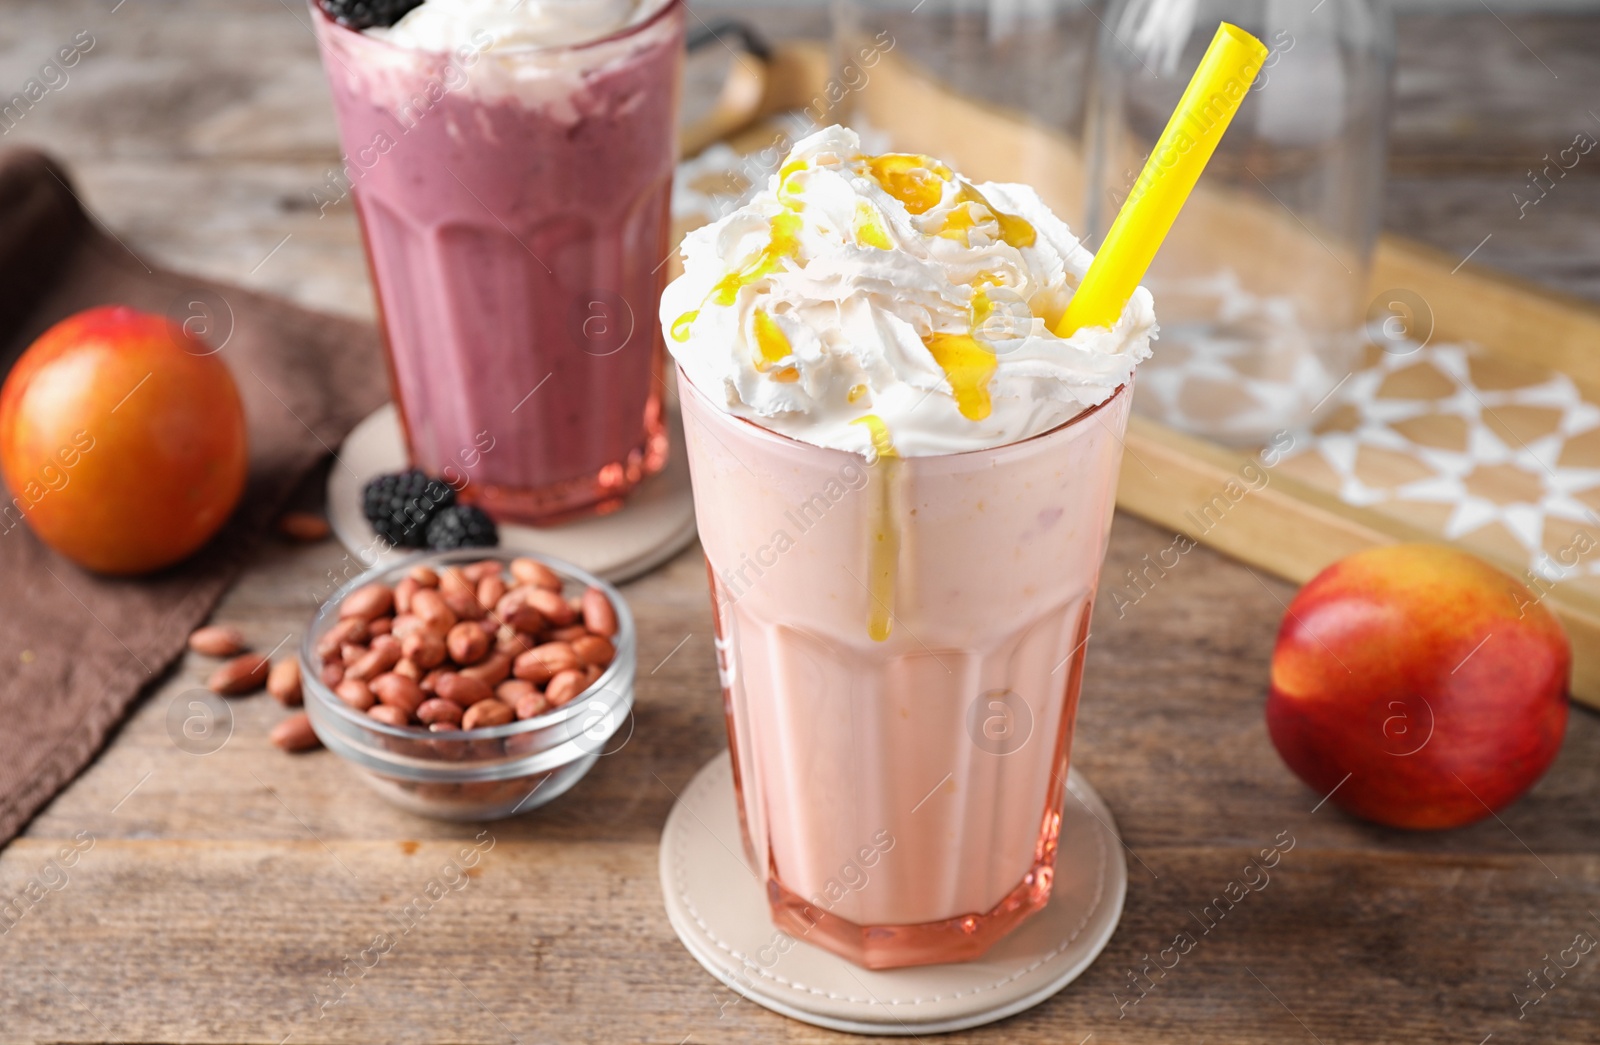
{"x":515,"y":207}
{"x":901,"y":647}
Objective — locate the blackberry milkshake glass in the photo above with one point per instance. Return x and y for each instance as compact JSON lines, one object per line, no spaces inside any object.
{"x":511,"y":165}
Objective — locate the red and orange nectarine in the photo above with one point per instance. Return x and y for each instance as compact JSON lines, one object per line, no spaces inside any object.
{"x":1436,"y":683}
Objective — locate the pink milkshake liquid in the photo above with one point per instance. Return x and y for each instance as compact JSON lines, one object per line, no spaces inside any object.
{"x":901,"y":646}
{"x":514,"y":204}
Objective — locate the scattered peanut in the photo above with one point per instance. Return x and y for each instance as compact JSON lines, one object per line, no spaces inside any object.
{"x":283,"y":682}
{"x":217,"y":640}
{"x":245,"y":673}
{"x":295,"y":733}
{"x":307,"y":527}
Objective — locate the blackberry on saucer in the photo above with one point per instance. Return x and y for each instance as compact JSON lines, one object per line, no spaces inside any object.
{"x":364,"y":14}
{"x":462,"y":526}
{"x":400,"y":506}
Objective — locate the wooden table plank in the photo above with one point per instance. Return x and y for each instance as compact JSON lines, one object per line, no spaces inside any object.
{"x":222,"y":889}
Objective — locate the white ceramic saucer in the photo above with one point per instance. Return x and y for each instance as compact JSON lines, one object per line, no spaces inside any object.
{"x":718,"y":907}
{"x":654,"y":524}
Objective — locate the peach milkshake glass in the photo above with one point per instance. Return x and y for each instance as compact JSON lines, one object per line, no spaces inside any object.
{"x":511,"y":162}
{"x":904,"y":483}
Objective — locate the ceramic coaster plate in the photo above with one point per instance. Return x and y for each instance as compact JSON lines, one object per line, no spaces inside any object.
{"x":718,"y":907}
{"x":656,"y":522}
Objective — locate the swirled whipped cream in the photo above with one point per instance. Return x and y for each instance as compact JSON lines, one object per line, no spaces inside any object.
{"x":885,"y":305}
{"x":448,"y":25}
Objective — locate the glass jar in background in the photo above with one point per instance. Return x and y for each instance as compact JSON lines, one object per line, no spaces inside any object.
{"x":1260,"y":287}
{"x":996,"y":88}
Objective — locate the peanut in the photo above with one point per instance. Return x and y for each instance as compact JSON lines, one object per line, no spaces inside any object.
{"x":486,"y":713}
{"x":492,"y":670}
{"x":426,"y":649}
{"x":454,"y":579}
{"x":367,"y":602}
{"x":467,"y":643}
{"x":295,"y":733}
{"x":491,"y":590}
{"x":465,"y":605}
{"x":535,"y":574}
{"x":332,"y":674}
{"x":355,"y":693}
{"x":389,"y":715}
{"x":406,"y":625}
{"x":409,"y":669}
{"x":592,"y":649}
{"x":479,"y":571}
{"x":217,"y":640}
{"x":424,"y":576}
{"x":348,"y":630}
{"x":523,"y":697}
{"x":283,"y":682}
{"x":542,"y":663}
{"x":461,"y":690}
{"x":511,"y":642}
{"x":437,"y":711}
{"x":245,"y":673}
{"x":384,"y":654}
{"x":527,"y":620}
{"x":435,"y":613}
{"x":599,"y":616}
{"x":564,"y":687}
{"x":397,"y":691}
{"x":402,"y":595}
{"x":555,"y":609}
{"x":306,"y":527}
{"x":380,"y":626}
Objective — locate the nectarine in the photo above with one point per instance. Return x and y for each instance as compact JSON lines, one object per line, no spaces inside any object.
{"x":122,"y":440}
{"x":1431,"y":684}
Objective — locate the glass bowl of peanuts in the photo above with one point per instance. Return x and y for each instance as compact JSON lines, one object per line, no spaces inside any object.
{"x":472,"y":684}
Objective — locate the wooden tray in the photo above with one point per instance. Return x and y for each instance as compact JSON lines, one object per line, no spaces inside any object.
{"x":1487,"y":435}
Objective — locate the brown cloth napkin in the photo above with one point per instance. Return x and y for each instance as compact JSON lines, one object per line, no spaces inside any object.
{"x":76,"y":648}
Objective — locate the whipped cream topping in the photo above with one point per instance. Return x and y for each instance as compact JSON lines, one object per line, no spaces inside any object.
{"x":885,"y":306}
{"x":448,"y":25}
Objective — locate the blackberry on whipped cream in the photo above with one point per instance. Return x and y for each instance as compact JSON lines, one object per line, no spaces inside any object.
{"x":886,"y":305}
{"x":365,"y":14}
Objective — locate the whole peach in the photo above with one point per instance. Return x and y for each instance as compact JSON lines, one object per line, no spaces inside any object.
{"x":122,"y":440}
{"x":1419,"y":685}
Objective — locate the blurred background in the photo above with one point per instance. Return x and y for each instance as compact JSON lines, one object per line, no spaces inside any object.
{"x":223,"y":131}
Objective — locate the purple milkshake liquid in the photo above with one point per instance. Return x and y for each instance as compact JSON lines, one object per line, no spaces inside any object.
{"x":515,"y":208}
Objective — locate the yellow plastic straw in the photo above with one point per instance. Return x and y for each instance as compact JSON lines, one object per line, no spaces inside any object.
{"x":1226,"y":72}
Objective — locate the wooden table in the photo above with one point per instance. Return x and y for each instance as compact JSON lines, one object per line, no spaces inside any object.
{"x":222,"y":890}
